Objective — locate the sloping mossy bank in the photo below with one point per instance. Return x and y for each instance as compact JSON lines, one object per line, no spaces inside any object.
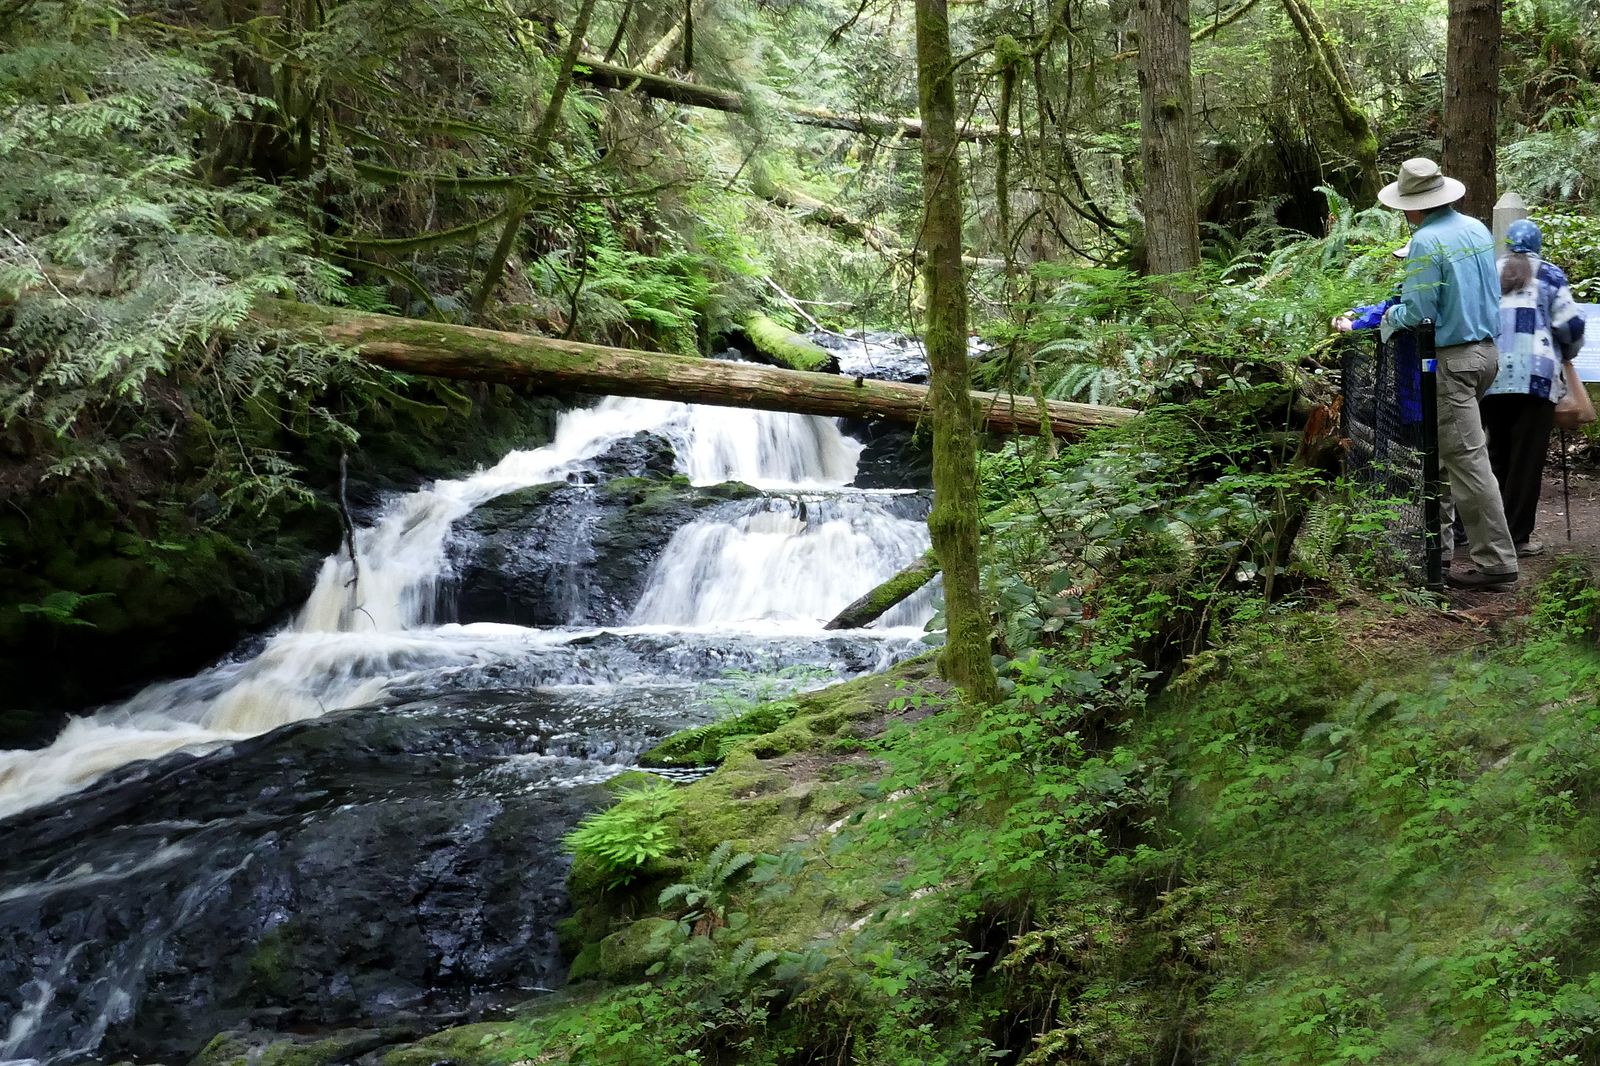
{"x":1340,"y":837}
{"x":143,"y":575}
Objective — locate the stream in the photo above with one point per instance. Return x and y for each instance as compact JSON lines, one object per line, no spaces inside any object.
{"x":358,"y":818}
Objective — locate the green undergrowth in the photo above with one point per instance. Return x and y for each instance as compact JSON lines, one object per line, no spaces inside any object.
{"x":1330,"y":839}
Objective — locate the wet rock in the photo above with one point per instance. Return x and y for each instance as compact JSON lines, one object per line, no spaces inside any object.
{"x":576,"y":553}
{"x":878,"y":355}
{"x":641,"y":455}
{"x":347,"y":870}
{"x":265,"y":1047}
{"x":893,"y":456}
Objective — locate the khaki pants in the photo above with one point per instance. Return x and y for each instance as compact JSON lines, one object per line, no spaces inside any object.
{"x":1465,"y":373}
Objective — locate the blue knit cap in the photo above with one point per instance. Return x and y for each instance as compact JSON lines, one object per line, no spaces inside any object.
{"x":1523,"y":236}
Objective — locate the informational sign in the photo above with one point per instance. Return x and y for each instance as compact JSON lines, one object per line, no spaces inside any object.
{"x":1588,"y":361}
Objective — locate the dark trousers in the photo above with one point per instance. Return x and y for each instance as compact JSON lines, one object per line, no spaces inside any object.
{"x":1519,"y":439}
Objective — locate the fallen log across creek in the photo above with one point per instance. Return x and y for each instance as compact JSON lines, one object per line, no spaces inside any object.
{"x":444,"y":350}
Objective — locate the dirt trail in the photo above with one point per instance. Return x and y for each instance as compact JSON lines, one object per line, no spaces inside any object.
{"x":1552,"y":530}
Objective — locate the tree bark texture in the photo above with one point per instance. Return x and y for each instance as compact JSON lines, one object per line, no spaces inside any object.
{"x":953,"y":525}
{"x":1472,"y":103}
{"x":692,"y":94}
{"x":440,"y":349}
{"x":1171,"y":224}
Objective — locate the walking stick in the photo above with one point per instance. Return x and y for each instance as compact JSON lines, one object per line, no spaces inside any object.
{"x":1566,"y":485}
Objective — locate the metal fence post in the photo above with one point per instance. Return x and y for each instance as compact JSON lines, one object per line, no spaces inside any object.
{"x":1433,"y":546}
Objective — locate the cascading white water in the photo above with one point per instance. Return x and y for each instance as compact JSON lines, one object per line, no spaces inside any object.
{"x":367,"y":625}
{"x":798,"y":559}
{"x":399,"y":560}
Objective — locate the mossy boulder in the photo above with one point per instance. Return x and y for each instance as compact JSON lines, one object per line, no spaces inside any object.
{"x":628,"y":953}
{"x":263,"y":1048}
{"x":773,"y":787}
{"x":466,"y":1045}
{"x":783,"y":726}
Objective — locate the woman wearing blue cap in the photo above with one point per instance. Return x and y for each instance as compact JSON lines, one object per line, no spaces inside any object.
{"x":1540,"y":327}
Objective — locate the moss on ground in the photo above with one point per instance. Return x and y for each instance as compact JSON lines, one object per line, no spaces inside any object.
{"x":271,"y":964}
{"x":780,"y":727}
{"x":484,"y":1042}
{"x":248,"y":1049}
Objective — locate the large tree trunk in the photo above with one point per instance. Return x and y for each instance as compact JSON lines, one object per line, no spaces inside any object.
{"x":449,"y":351}
{"x":1472,"y":102}
{"x":1171,"y":225}
{"x":692,"y":94}
{"x":953,"y":524}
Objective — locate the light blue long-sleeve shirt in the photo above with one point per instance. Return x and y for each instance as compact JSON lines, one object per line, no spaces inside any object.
{"x":1450,"y":278}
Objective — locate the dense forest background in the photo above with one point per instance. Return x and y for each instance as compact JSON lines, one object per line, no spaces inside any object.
{"x":684,"y":177}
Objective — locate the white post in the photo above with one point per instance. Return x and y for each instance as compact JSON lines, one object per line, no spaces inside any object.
{"x":1507,"y":210}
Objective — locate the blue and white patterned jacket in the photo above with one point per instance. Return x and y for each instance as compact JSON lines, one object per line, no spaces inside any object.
{"x":1538,"y":324}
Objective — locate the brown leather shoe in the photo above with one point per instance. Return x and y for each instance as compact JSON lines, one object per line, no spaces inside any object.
{"x":1473,"y":578}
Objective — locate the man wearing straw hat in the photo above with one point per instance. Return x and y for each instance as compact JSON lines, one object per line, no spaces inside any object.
{"x":1451,"y":279}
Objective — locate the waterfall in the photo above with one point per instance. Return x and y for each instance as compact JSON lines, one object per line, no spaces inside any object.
{"x":786,"y":558}
{"x":375,"y":765}
{"x":368,"y":626}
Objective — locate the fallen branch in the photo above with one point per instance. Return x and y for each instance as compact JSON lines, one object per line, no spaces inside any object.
{"x":810,"y":209}
{"x":692,"y":94}
{"x":875,"y":604}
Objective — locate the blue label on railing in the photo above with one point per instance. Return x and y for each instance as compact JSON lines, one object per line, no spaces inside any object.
{"x":1430,"y":366}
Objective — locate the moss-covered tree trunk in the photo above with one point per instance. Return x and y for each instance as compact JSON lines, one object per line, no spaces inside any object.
{"x":1171,"y":223}
{"x":1360,"y":143}
{"x":1472,"y":102}
{"x":440,"y":349}
{"x":953,"y":524}
{"x":875,"y":603}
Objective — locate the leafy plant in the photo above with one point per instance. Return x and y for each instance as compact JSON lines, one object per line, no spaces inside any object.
{"x":1572,"y":242}
{"x":62,"y":607}
{"x":626,"y":839}
{"x":704,"y":901}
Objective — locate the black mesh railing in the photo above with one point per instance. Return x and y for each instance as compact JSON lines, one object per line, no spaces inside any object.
{"x":1389,"y":418}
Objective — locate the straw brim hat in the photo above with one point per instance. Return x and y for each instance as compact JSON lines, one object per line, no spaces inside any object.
{"x":1421,"y":186}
